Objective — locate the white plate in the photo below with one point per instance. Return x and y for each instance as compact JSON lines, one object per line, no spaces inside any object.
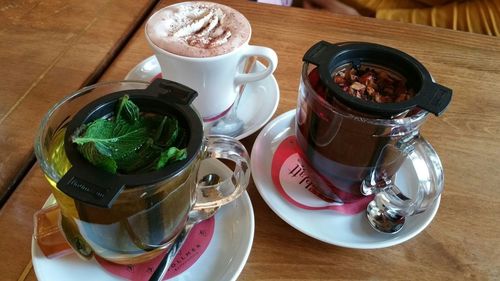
{"x":223,"y":259}
{"x":257,"y":105}
{"x":351,"y":231}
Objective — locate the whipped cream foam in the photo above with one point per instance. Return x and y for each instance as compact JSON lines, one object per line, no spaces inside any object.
{"x":198,"y":29}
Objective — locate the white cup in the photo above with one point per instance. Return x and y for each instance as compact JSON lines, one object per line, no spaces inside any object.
{"x":215,"y":78}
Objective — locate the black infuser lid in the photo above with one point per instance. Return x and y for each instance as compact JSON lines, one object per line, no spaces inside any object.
{"x":87,"y":183}
{"x":329,"y":57}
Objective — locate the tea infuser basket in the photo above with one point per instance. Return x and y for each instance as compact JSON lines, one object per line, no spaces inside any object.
{"x":89,"y":184}
{"x":360,"y":109}
{"x":329,"y":58}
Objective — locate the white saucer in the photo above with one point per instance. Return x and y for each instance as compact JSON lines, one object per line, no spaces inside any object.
{"x":351,"y":231}
{"x":223,"y":260}
{"x":257,"y":105}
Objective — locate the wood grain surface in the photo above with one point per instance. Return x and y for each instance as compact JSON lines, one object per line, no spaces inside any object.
{"x":462,"y":242}
{"x":49,"y":49}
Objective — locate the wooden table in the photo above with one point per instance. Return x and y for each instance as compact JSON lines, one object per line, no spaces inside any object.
{"x":49,"y":49}
{"x":462,"y":242}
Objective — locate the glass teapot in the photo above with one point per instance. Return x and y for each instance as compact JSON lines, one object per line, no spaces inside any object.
{"x":356,"y":145}
{"x":124,"y":217}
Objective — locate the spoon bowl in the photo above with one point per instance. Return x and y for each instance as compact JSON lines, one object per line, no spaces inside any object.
{"x":382,"y":222}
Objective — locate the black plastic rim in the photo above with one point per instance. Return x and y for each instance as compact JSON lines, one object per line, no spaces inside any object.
{"x":428,"y":95}
{"x":87,"y":183}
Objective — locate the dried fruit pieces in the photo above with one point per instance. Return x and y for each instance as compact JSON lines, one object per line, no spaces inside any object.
{"x":371,"y":84}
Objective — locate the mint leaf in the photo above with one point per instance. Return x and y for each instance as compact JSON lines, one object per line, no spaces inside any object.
{"x":90,"y":152}
{"x":128,"y":109}
{"x":170,"y":155}
{"x":142,"y":159}
{"x":167,"y":132}
{"x":160,"y":128}
{"x":113,"y":139}
{"x":131,"y":142}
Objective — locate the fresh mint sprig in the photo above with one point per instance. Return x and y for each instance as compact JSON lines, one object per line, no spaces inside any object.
{"x":131,"y":142}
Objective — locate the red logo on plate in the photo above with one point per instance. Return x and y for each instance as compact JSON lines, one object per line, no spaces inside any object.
{"x":196,"y":243}
{"x":290,"y":176}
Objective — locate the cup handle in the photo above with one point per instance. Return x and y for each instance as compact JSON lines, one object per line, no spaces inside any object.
{"x":258,"y":51}
{"x":390,"y":205}
{"x":216,"y":195}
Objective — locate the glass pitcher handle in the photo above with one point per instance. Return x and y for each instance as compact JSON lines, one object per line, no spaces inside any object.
{"x":213,"y":196}
{"x":390,"y":207}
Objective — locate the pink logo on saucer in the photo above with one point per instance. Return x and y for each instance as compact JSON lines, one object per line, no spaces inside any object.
{"x":157,"y":76}
{"x":196,"y":243}
{"x":290,"y":177}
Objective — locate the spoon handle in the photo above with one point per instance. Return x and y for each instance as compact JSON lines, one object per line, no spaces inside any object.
{"x":247,"y":68}
{"x":165,"y":263}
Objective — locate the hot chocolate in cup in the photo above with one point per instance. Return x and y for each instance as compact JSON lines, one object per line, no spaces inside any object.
{"x":199,"y":29}
{"x":204,"y":45}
